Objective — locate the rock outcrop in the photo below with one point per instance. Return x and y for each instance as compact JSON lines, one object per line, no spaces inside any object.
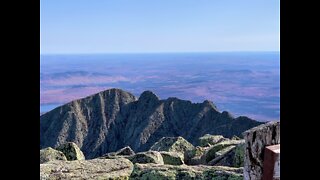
{"x":170,"y":172}
{"x":256,"y":139}
{"x":49,"y":154}
{"x":71,"y":151}
{"x":112,"y":169}
{"x":112,"y":119}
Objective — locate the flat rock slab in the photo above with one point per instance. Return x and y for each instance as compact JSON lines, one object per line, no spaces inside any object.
{"x":87,"y":169}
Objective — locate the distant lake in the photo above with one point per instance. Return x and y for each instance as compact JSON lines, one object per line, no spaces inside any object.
{"x":246,"y":83}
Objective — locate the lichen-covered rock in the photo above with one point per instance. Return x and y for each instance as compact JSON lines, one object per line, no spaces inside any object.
{"x":194,"y":156}
{"x":172,"y":158}
{"x":147,"y":157}
{"x":172,"y":144}
{"x":49,"y":154}
{"x":71,"y":151}
{"x":210,"y":154}
{"x":171,"y":172}
{"x":256,"y":139}
{"x":238,"y":159}
{"x":209,"y":140}
{"x":111,"y":169}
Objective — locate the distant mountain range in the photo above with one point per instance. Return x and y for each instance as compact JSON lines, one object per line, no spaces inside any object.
{"x":112,"y":119}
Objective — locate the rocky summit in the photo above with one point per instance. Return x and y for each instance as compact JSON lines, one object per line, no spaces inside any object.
{"x":125,"y":164}
{"x":112,"y":119}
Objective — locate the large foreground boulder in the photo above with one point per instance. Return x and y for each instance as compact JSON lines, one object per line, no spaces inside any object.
{"x":87,"y":169}
{"x":49,"y":154}
{"x":71,"y":151}
{"x":147,"y":157}
{"x":170,"y":172}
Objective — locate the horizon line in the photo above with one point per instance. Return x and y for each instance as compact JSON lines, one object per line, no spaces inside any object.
{"x":164,"y":52}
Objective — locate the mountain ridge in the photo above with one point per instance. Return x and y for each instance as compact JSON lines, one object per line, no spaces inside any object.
{"x":112,"y":119}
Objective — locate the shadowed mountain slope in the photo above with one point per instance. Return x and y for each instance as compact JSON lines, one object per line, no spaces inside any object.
{"x":112,"y":119}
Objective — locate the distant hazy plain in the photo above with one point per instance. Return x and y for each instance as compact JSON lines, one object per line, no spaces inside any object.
{"x":241,"y":83}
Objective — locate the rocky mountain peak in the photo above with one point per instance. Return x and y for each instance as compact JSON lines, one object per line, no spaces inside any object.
{"x":119,"y":93}
{"x":210,"y":104}
{"x":148,"y":95}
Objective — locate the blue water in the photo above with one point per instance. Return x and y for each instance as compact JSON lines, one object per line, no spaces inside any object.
{"x":246,"y":83}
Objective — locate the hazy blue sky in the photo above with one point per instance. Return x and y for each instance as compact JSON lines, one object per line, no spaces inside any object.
{"x":116,"y":26}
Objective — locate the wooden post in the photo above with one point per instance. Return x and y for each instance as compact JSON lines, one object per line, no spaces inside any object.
{"x":271,"y":163}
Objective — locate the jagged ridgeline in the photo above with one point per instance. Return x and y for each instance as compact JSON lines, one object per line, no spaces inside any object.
{"x":112,"y":119}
